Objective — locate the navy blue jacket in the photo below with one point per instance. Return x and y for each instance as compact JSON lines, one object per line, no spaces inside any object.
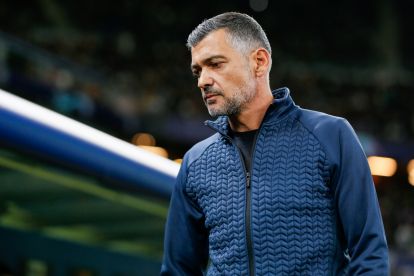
{"x":309,"y":206}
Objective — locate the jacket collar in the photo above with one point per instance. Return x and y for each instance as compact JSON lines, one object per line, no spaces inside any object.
{"x":282,"y":105}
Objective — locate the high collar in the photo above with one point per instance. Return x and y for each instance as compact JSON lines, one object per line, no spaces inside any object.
{"x":281,"y":105}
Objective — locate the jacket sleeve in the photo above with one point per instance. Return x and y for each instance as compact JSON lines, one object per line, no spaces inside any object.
{"x":358,"y":209}
{"x":186,"y":239}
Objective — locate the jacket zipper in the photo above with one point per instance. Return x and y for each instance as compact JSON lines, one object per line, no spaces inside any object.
{"x":249,"y":242}
{"x":249,"y":206}
{"x":248,"y":226}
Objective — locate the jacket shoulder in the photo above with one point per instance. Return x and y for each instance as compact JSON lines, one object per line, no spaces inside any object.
{"x":333,"y":133}
{"x":198,"y":149}
{"x":316,"y":121}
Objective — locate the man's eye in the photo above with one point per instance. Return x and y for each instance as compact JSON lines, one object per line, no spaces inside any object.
{"x":196,"y":74}
{"x":215,"y":65}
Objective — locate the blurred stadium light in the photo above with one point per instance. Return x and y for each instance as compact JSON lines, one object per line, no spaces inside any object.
{"x":410,"y":170}
{"x":382,"y":166}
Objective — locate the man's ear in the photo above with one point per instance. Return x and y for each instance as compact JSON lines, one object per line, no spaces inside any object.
{"x":261,"y":58}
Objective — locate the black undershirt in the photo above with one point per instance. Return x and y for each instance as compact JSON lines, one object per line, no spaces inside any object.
{"x":244,"y":141}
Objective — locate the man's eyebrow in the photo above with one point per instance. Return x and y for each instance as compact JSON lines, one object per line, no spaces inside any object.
{"x":206,"y":61}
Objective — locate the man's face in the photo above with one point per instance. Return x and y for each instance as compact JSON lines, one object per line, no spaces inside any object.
{"x":225,"y":75}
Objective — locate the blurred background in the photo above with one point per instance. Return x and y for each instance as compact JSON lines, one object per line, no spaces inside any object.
{"x":122,"y":67}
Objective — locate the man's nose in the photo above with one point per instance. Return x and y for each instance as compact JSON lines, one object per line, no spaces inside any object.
{"x":204,"y":79}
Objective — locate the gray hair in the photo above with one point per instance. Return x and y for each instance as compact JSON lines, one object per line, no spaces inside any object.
{"x":244,"y":32}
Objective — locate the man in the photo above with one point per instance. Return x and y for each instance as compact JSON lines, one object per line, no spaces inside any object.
{"x":278,"y":190}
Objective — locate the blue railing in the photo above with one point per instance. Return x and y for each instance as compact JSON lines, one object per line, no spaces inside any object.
{"x":43,"y":133}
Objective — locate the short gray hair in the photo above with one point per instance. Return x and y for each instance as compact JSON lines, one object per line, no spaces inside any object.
{"x":244,"y":32}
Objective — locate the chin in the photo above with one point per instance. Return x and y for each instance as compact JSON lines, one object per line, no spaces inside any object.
{"x":216,"y":114}
{"x":213,"y":113}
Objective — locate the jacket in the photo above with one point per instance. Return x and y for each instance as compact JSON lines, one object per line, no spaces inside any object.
{"x":308,"y":207}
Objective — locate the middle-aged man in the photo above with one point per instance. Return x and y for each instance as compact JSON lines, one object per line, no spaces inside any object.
{"x":278,"y":190}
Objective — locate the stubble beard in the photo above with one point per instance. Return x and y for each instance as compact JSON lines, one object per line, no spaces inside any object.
{"x":233,"y":105}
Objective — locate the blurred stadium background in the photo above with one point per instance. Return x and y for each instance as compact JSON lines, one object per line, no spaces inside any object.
{"x":122,"y":67}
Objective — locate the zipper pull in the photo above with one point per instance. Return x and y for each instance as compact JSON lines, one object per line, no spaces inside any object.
{"x":248,"y":180}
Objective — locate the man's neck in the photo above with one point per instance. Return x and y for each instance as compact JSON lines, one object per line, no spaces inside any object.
{"x":252,"y":115}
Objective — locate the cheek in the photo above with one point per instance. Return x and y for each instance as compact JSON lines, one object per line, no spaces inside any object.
{"x":240,"y":80}
{"x":233,"y":77}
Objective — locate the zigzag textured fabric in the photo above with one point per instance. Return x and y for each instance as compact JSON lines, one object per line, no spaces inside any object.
{"x":292,"y":212}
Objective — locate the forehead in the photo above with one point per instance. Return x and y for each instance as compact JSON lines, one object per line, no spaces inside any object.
{"x":214,"y":44}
